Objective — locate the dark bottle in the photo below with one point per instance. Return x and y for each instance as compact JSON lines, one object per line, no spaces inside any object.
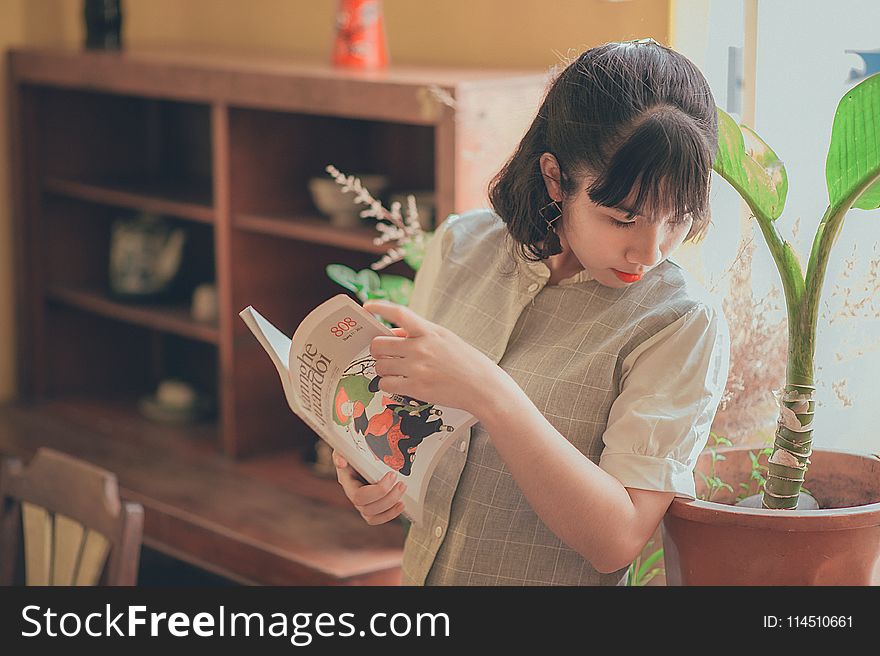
{"x":103,"y":24}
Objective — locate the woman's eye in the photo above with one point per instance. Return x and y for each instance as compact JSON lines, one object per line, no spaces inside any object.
{"x":623,"y":224}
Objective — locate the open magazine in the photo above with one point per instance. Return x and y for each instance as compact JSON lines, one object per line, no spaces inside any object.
{"x":330,"y":383}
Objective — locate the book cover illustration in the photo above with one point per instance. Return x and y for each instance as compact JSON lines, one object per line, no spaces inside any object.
{"x":390,"y":426}
{"x":330,"y":382}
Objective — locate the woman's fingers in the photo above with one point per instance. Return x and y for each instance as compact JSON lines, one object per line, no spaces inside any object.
{"x":386,"y":516}
{"x":385,"y":503}
{"x":386,"y":346}
{"x":378,"y":502}
{"x":367,"y":494}
{"x":348,"y":478}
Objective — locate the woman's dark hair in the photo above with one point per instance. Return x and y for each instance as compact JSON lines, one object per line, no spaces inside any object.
{"x":635,"y":115}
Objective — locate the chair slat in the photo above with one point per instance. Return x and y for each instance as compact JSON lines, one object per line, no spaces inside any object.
{"x":68,"y":544}
{"x":67,"y":517}
{"x":91,"y":562}
{"x":37,"y":543}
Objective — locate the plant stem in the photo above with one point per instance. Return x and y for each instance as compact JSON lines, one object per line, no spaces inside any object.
{"x":799,"y":370}
{"x":787,"y":264}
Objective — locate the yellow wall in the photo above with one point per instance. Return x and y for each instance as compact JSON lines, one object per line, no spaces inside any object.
{"x":496,"y":33}
{"x":12,"y":32}
{"x":467,"y":32}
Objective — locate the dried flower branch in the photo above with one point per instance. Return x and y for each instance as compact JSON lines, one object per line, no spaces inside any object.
{"x":865,"y":302}
{"x":758,"y":347}
{"x":405,"y":232}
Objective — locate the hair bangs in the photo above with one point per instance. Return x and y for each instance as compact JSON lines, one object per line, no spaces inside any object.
{"x":659,"y":170}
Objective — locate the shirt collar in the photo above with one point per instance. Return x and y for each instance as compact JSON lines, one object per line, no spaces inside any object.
{"x":541,"y":272}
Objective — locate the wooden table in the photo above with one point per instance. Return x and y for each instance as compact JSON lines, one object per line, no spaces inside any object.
{"x":267,"y":520}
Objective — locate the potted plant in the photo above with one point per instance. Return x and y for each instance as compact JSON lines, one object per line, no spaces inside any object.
{"x":404,"y":232}
{"x":782,"y":541}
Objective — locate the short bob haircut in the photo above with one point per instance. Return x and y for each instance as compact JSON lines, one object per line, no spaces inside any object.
{"x":637,"y":116}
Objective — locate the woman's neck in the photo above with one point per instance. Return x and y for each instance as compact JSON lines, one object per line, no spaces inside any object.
{"x":562,"y":266}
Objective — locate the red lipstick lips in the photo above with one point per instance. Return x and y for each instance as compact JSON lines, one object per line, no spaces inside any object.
{"x":627,"y":277}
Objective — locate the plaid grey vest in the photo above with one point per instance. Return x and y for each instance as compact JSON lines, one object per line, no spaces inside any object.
{"x":564,"y":346}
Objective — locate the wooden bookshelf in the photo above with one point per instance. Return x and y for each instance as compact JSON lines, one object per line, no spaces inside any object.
{"x":222,"y":144}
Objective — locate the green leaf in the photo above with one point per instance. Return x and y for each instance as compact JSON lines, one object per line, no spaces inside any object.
{"x":414,"y":252}
{"x":751,"y":166}
{"x":397,"y":288}
{"x":345,"y":276}
{"x":373,"y":295}
{"x":370,"y":280}
{"x":853,"y":161}
{"x":364,"y":283}
{"x":651,"y":575}
{"x":649,"y":562}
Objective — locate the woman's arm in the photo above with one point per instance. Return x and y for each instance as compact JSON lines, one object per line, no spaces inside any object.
{"x":589,"y":509}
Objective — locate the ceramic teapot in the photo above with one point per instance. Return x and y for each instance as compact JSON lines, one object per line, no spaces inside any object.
{"x":145,"y":256}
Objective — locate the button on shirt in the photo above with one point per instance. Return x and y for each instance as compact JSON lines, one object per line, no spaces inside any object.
{"x":631,"y":377}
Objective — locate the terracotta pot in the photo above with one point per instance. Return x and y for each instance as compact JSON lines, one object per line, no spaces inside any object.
{"x":709,"y":543}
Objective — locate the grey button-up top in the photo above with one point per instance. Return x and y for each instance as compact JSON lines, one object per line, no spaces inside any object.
{"x":632,"y":377}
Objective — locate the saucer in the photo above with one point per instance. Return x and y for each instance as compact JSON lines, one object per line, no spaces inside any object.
{"x":202,"y":409}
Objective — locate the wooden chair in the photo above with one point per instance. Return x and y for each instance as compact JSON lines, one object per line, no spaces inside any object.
{"x":77,"y":530}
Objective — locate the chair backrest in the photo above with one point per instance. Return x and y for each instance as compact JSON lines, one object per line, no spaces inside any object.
{"x":77,"y":530}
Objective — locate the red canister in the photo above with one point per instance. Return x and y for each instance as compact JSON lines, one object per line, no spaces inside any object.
{"x":360,"y":35}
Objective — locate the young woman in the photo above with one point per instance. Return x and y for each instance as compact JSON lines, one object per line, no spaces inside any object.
{"x":593,"y":364}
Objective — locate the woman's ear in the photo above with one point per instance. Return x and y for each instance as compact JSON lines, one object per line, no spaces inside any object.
{"x":552,"y":176}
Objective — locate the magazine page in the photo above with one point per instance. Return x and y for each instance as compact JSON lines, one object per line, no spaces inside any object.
{"x":277,"y":346}
{"x":332,"y":385}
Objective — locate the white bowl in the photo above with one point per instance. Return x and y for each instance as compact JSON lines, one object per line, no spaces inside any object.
{"x":331,"y":201}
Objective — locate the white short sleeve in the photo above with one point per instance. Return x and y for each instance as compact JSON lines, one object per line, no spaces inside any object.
{"x":670,"y":389}
{"x":429,"y":271}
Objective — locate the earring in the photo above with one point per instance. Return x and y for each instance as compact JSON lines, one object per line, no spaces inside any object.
{"x":551,"y":246}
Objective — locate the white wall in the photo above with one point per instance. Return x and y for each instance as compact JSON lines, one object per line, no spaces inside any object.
{"x":703,"y":30}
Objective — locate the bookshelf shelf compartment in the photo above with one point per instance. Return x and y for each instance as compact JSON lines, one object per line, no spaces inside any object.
{"x":311,"y":229}
{"x":173,"y":319}
{"x":180,"y":199}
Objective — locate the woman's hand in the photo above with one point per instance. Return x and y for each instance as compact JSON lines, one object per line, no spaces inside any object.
{"x":377,"y":503}
{"x":430,"y":363}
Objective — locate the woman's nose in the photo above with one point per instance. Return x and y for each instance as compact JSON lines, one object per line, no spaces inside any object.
{"x":646,"y":249}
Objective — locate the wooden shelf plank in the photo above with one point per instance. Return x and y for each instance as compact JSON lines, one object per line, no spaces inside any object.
{"x":186,"y":201}
{"x":210,"y":511}
{"x":409,"y":94}
{"x":311,"y":229}
{"x":169,"y":318}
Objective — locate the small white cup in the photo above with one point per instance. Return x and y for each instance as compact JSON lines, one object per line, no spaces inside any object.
{"x":204,"y":303}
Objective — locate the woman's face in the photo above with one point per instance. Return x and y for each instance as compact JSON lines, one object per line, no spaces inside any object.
{"x":615,"y":247}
